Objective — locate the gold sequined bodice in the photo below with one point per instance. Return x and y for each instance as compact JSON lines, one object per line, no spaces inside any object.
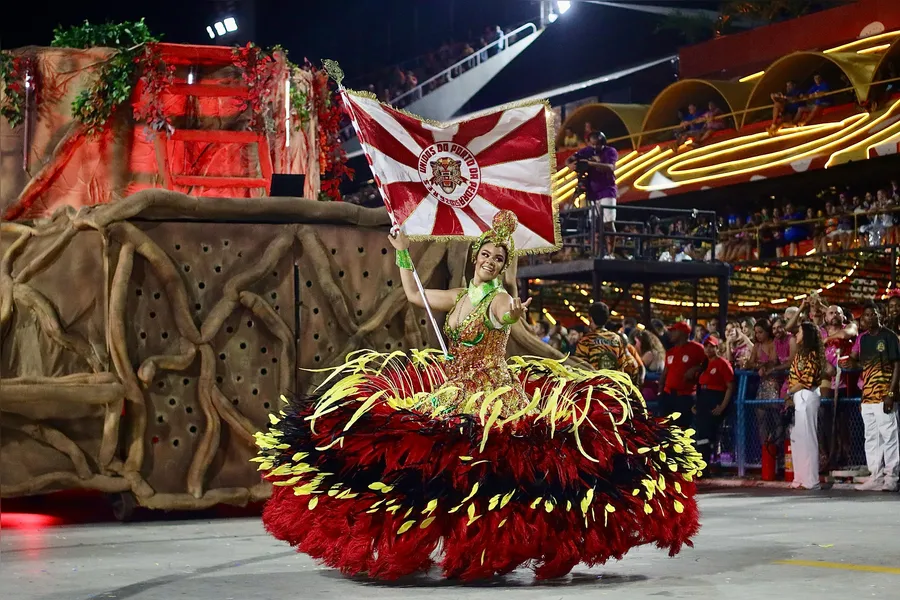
{"x":478,"y":362}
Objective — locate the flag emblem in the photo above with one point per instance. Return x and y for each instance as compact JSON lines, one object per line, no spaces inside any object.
{"x":450,"y":173}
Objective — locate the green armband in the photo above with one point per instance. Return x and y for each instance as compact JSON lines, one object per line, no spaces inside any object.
{"x":404,"y":261}
{"x":507,"y":319}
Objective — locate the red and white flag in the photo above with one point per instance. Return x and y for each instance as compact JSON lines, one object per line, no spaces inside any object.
{"x":450,"y":179}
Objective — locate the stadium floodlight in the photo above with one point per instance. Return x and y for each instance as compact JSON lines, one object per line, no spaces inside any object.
{"x":220,"y":28}
{"x":563,"y":6}
{"x":230,"y":24}
{"x":553,"y":17}
{"x":212,"y":34}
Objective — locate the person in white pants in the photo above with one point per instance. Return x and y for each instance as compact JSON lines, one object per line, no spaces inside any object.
{"x":878,"y":351}
{"x":803,"y":394}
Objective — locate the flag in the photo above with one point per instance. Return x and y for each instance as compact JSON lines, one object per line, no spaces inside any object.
{"x":448,"y":180}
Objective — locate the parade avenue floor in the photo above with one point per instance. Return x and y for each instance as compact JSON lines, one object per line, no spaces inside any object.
{"x":754,"y":544}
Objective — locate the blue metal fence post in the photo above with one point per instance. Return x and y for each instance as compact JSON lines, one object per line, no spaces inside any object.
{"x":740,"y":434}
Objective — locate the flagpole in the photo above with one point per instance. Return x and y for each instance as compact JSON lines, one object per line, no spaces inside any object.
{"x":335,"y":72}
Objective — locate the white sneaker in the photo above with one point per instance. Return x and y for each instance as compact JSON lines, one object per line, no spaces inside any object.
{"x":871,"y":485}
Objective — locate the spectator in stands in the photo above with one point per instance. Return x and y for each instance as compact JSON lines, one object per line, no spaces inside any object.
{"x":714,"y":392}
{"x":817,"y":100}
{"x":893,"y":311}
{"x":802,"y":394}
{"x":765,"y":360}
{"x":837,"y":339}
{"x":542,"y":330}
{"x":784,"y":345}
{"x":684,"y":363}
{"x":596,"y":165}
{"x":700,"y":333}
{"x":570,"y":344}
{"x":653,"y":353}
{"x":570,"y":140}
{"x":738,"y":346}
{"x":786,"y":105}
{"x":878,"y":351}
{"x":657,"y":327}
{"x":691,"y":125}
{"x":604,"y":349}
{"x":712,"y":122}
{"x":794,"y":234}
{"x":747,"y":324}
{"x":588,"y":130}
{"x":713,"y":327}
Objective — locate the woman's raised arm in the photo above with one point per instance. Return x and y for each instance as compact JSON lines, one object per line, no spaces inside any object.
{"x":442,"y":300}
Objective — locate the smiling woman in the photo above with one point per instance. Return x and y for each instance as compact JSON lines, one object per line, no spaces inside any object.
{"x":491,"y":463}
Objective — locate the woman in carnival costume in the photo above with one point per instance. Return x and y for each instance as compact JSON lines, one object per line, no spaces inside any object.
{"x":471,"y":461}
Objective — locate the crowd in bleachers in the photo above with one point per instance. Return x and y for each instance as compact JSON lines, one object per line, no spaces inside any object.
{"x":392,"y":84}
{"x":835,"y":219}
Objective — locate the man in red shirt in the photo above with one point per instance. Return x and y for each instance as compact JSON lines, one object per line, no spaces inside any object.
{"x":684,"y":362}
{"x":713,"y":397}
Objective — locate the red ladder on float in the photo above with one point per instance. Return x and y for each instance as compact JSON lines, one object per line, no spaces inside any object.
{"x":218,"y":56}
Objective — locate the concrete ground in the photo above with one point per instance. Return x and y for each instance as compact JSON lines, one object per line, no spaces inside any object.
{"x":754,"y":544}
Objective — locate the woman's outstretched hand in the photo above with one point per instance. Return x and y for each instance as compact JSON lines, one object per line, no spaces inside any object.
{"x":517,"y":308}
{"x":398,"y":239}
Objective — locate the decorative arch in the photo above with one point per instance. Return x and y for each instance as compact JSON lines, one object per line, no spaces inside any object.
{"x":618,"y":121}
{"x":728,"y":95}
{"x":839,"y":69}
{"x":888,"y":67}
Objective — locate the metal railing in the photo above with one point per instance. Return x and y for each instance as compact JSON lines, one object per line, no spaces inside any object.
{"x":749,"y":420}
{"x":583,"y":234}
{"x":476,"y":58}
{"x":455,"y":70}
{"x":868,"y":231}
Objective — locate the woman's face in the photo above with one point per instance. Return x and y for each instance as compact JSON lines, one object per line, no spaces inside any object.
{"x":799,"y":336}
{"x":489,"y":262}
{"x":730,"y":331}
{"x":746,"y":329}
{"x":761,"y":334}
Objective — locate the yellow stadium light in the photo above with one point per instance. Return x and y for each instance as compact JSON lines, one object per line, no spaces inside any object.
{"x":863,"y":42}
{"x":751,"y":77}
{"x":873,"y":49}
{"x":779,"y":301}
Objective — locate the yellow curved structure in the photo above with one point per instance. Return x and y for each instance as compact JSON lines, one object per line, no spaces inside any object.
{"x":617,"y":121}
{"x":730,"y":96}
{"x":857,"y":69}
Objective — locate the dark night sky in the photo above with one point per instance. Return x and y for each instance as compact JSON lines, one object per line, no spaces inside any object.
{"x":365,"y":35}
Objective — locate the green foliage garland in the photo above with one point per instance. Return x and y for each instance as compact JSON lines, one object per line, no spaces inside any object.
{"x":95,"y":105}
{"x":12,"y":77}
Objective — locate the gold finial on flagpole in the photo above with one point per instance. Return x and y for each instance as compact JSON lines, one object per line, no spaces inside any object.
{"x":334,"y":70}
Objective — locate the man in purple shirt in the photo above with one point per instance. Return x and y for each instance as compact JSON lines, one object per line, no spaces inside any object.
{"x":596,"y":166}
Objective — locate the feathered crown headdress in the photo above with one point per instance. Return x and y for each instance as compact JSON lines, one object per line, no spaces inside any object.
{"x":500,"y":234}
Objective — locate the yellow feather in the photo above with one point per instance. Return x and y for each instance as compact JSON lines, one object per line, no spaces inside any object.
{"x":405,"y":527}
{"x":424,"y":524}
{"x":502,"y":523}
{"x":313,"y":502}
{"x":364,"y":408}
{"x":548,"y":506}
{"x":679,"y":507}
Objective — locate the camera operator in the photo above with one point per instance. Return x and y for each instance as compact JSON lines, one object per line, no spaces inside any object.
{"x":596,"y":165}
